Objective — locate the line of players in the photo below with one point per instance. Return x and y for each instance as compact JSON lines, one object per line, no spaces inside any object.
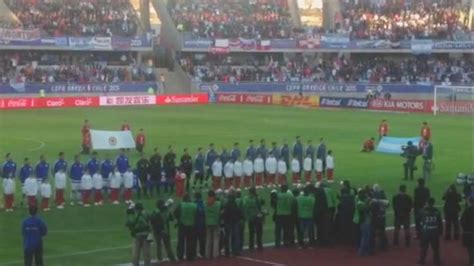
{"x":90,"y":181}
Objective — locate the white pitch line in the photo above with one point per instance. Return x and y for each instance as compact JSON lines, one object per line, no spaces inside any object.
{"x":41,"y":145}
{"x":260,"y":261}
{"x":85,"y":231}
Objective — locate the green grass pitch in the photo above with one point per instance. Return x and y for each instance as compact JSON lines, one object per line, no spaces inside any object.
{"x":97,"y":236}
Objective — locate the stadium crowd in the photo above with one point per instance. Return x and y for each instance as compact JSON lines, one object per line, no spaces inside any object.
{"x":76,"y":17}
{"x":232,"y":19}
{"x":45,"y":67}
{"x":378,"y":69}
{"x":402,"y":20}
{"x":313,"y":213}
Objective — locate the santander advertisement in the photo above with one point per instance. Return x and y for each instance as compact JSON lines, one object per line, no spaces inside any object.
{"x":172,"y":99}
{"x":420,"y":106}
{"x":235,"y":98}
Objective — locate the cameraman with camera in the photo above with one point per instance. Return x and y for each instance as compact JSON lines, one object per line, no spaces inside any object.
{"x":410,"y":152}
{"x":138,"y":223}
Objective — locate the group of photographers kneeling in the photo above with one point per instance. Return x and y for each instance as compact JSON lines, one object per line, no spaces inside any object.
{"x":308,"y":216}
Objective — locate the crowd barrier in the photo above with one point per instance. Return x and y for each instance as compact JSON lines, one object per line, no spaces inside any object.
{"x":309,"y":101}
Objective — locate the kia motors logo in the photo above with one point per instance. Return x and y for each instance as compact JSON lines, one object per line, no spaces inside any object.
{"x":377,"y":103}
{"x":83,"y":102}
{"x":55,"y":103}
{"x":168,"y":100}
{"x":17,"y":103}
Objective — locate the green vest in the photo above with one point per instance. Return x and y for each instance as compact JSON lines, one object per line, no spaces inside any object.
{"x":250,"y":207}
{"x":213,"y":213}
{"x":330,"y":197}
{"x":284,"y":203}
{"x":139,"y":224}
{"x":188,"y":213}
{"x":305,"y":206}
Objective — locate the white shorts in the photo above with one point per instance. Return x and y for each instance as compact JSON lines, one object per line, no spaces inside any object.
{"x":75,"y":186}
{"x":106,"y":183}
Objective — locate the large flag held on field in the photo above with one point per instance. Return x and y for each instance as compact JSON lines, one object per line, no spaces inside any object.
{"x":111,"y":140}
{"x":394,"y":145}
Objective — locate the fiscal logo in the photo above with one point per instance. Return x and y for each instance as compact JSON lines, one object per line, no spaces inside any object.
{"x":112,"y":141}
{"x":331,"y":102}
{"x":358,"y":103}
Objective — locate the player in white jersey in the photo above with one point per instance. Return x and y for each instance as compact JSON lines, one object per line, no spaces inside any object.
{"x":308,"y":168}
{"x":282,"y":172}
{"x":31,"y":188}
{"x":330,"y":167}
{"x":216,"y":173}
{"x":60,"y":186}
{"x":271,"y":168}
{"x":258,"y":167}
{"x":229,"y":174}
{"x":86,"y":188}
{"x":295,"y":171}
{"x":238,"y":173}
{"x":115,"y":179}
{"x":319,"y":169}
{"x":128,"y":185}
{"x":46,"y":193}
{"x":248,"y":172}
{"x":8,"y":193}
{"x":98,"y":185}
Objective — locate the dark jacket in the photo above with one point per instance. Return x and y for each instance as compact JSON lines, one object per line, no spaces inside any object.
{"x":402,"y":205}
{"x":467,"y":223}
{"x":452,"y":200}
{"x":422,"y":194}
{"x":187,"y":164}
{"x":232,"y":214}
{"x":155,"y":167}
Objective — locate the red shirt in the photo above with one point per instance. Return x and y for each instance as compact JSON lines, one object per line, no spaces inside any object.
{"x":125,"y":127}
{"x":86,"y":140}
{"x":368,"y":145}
{"x":85,"y":130}
{"x":383,"y":129}
{"x":140,"y":139}
{"x":426,"y":132}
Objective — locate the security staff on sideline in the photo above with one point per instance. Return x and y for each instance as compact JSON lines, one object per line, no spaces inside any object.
{"x":402,"y":205}
{"x":452,"y":207}
{"x":187,"y":166}
{"x":422,"y":194}
{"x":186,"y":213}
{"x":431,"y":230}
{"x":427,"y":154}
{"x":155,"y":172}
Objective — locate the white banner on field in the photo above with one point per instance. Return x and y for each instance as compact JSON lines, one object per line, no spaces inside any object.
{"x":111,"y":140}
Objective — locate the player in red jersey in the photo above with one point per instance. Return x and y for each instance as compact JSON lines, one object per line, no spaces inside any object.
{"x":425,"y":131}
{"x":125,"y":126}
{"x":383,"y":129}
{"x":140,"y":141}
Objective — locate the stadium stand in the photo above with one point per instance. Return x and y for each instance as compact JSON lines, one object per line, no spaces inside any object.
{"x":76,"y":17}
{"x":50,"y":67}
{"x":233,"y":18}
{"x":381,"y":69}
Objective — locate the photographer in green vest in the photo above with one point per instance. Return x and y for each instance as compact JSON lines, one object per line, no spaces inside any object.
{"x":139,"y":224}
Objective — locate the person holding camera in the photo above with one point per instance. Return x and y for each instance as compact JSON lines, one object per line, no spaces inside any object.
{"x":160,"y":220}
{"x":410,"y":152}
{"x":139,"y":224}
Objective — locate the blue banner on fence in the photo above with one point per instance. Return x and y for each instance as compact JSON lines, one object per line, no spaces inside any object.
{"x":395,"y":145}
{"x":77,"y":87}
{"x":339,"y":102}
{"x":315,"y":87}
{"x":336,"y":41}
